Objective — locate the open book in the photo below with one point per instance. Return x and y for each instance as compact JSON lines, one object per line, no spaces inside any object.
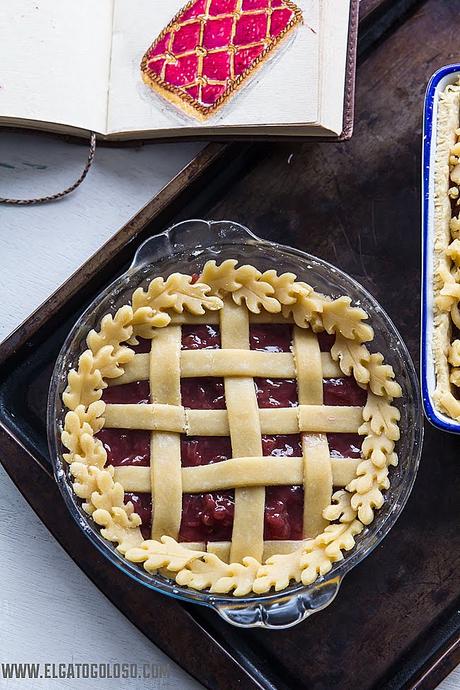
{"x":139,"y":69}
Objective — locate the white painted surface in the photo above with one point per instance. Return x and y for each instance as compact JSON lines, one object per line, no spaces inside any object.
{"x":49,"y":611}
{"x":452,"y":682}
{"x":41,"y":246}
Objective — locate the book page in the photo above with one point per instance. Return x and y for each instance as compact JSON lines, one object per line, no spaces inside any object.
{"x":283,"y":91}
{"x":54,"y":61}
{"x":334,"y":42}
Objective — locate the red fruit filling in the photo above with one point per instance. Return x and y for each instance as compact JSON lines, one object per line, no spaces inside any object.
{"x":142,"y":346}
{"x":283,"y":512}
{"x":275,"y":337}
{"x":216,"y":66}
{"x":143,"y":507}
{"x":283,"y":504}
{"x":211,"y":92}
{"x":203,"y":394}
{"x":282,"y":445}
{"x":343,"y":392}
{"x":345,"y":445}
{"x":200,"y":337}
{"x":255,"y":4}
{"x":209,"y":517}
{"x":325,"y":341}
{"x":126,"y":446}
{"x":204,"y":450}
{"x":134,"y":393}
{"x":276,"y":392}
{"x":183,"y":71}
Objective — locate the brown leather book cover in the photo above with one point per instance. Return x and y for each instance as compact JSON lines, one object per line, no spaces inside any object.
{"x":350,"y":74}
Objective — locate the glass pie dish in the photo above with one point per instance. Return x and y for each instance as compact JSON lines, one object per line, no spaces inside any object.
{"x":188,"y":246}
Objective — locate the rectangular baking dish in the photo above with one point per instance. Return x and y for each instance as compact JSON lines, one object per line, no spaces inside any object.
{"x":438,"y":82}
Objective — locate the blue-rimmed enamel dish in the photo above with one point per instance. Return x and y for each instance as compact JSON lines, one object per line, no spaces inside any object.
{"x":438,"y":82}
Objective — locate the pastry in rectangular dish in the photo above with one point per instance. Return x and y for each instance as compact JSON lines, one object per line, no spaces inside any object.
{"x":446,"y":266}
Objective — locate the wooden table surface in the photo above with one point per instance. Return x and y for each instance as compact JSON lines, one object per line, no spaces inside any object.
{"x":363,"y":195}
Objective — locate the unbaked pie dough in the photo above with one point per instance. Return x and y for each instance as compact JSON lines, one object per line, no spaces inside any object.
{"x":231,"y":430}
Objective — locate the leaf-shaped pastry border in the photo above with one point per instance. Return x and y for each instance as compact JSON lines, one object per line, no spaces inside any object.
{"x":107,"y":354}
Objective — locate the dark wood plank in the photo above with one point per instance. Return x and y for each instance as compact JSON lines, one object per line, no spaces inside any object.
{"x":367,"y":7}
{"x":371,"y":9}
{"x":378,"y":17}
{"x":358,"y":205}
{"x":433,"y":673}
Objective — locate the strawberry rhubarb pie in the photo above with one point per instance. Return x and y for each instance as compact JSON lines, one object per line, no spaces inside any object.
{"x":211,"y":47}
{"x":232,"y":429}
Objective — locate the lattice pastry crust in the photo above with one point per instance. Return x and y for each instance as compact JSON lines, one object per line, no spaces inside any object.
{"x":232,"y":295}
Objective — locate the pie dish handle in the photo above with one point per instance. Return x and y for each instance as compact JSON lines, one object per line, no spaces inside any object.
{"x":283,"y":611}
{"x":194,"y":235}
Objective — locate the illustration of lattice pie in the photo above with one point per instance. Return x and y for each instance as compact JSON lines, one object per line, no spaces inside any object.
{"x":211,"y":47}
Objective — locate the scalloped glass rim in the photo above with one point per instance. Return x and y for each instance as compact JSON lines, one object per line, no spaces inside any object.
{"x":186,"y":246}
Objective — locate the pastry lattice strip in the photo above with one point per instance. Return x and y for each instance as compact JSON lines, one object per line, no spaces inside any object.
{"x":244,"y":422}
{"x":222,"y":363}
{"x":238,"y":473}
{"x":315,"y":419}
